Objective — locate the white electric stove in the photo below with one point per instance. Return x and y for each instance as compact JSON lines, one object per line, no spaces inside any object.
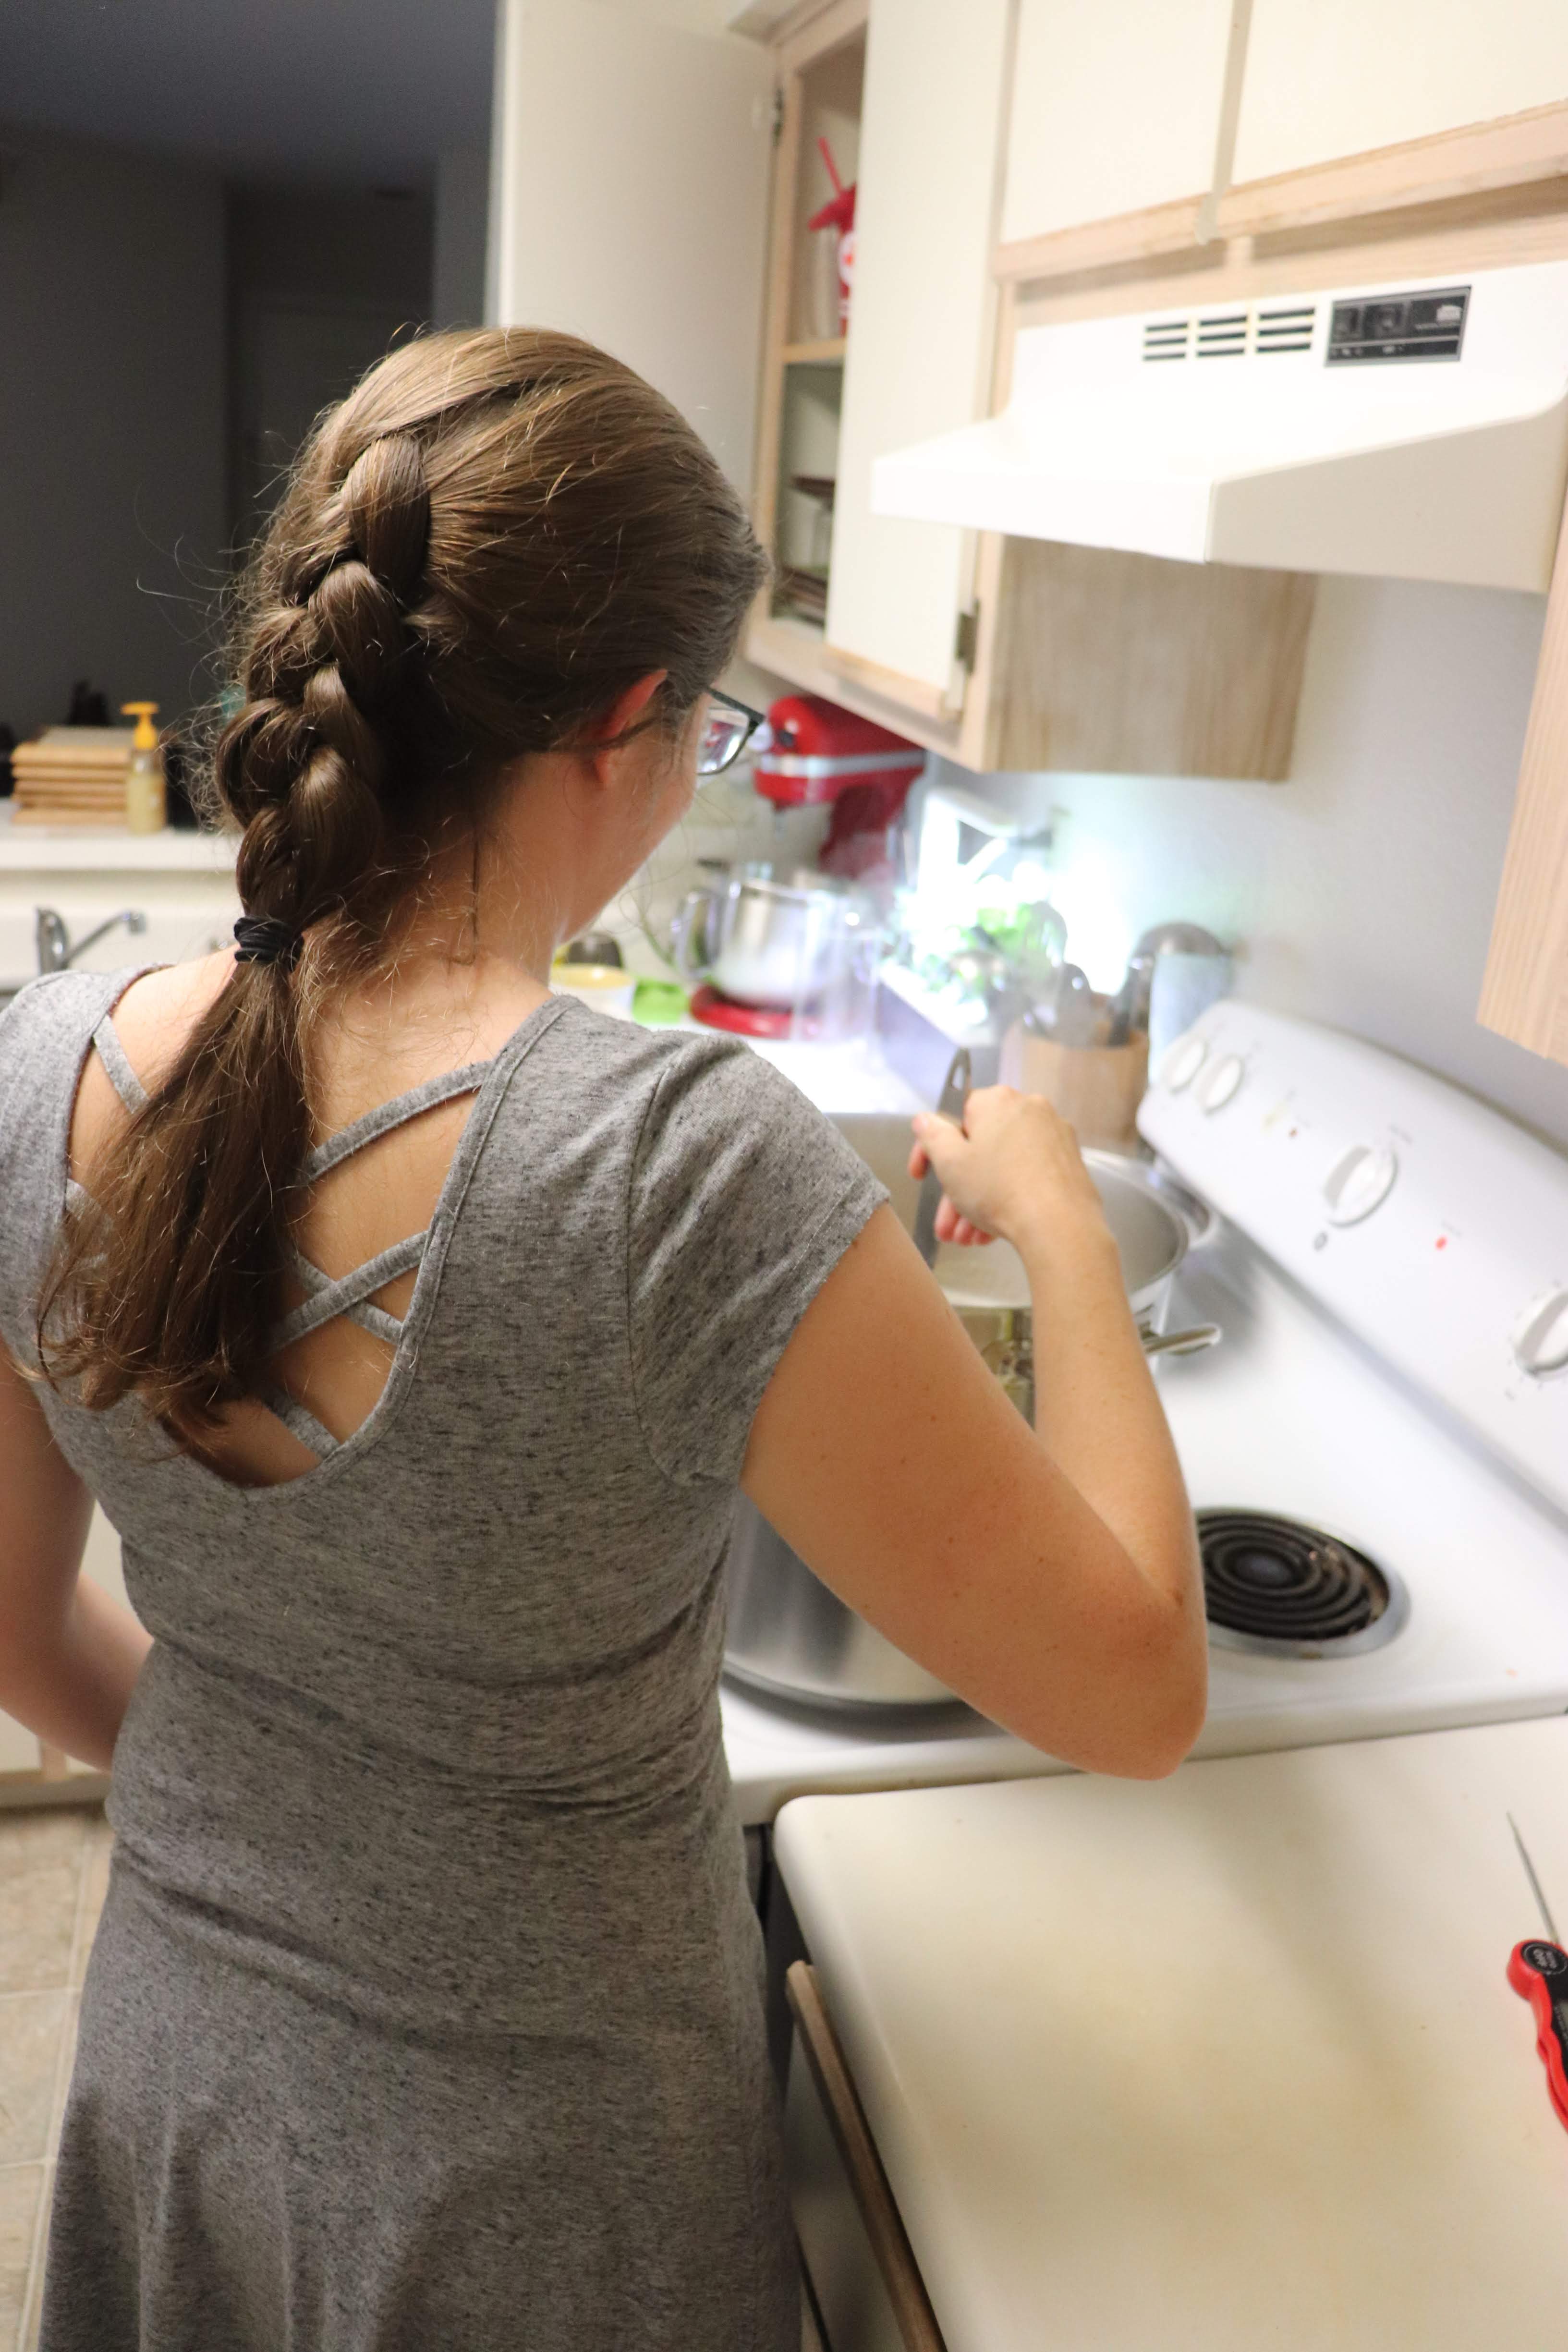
{"x":1389,"y":1264}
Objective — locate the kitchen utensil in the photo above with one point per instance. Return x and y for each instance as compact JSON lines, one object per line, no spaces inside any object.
{"x":1538,"y":1974}
{"x":1067,"y":1012}
{"x":787,"y":1633}
{"x":955,"y":1094}
{"x":1134,"y":998}
{"x":1183,"y":987}
{"x":767,"y":943}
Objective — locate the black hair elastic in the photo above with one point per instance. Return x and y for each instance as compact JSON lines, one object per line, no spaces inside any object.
{"x":266,"y":939}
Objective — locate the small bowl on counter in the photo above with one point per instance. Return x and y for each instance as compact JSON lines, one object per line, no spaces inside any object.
{"x":607,"y":987}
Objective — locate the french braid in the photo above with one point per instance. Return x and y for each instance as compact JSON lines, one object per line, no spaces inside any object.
{"x":492,"y":538}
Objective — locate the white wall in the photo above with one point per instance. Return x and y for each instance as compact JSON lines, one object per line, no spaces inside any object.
{"x":629,"y":191}
{"x":1361,"y":891}
{"x":112,"y":423}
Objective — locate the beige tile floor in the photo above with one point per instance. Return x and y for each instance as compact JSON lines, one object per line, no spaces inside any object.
{"x":54,"y":1869}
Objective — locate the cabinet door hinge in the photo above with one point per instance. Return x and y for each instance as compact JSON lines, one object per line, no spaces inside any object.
{"x":778,"y":112}
{"x":966,"y":637}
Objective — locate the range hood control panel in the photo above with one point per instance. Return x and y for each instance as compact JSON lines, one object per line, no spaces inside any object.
{"x":1424,"y":326}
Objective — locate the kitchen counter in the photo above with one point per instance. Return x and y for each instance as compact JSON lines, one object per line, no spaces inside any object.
{"x":91,"y":849}
{"x":1218,"y":2062}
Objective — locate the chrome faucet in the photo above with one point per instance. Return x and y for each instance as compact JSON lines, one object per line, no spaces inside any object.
{"x":57,"y":949}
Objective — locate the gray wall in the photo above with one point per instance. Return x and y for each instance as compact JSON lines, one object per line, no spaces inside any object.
{"x":1361,"y":892}
{"x":111,"y":408}
{"x":462,"y":219}
{"x":321,"y":283}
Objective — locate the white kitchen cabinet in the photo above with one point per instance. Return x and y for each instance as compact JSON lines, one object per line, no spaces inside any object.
{"x":1327,"y":79}
{"x":629,"y":196}
{"x":920,"y":331}
{"x":1115,"y":108}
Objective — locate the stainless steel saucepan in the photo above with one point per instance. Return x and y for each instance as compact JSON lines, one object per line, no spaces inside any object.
{"x":787,"y":1633}
{"x":766,"y":942}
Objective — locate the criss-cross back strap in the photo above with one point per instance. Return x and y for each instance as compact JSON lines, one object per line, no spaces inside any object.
{"x":331,"y":1298}
{"x":376,"y":1319}
{"x":387,"y":1115}
{"x":122,"y":1077}
{"x":300,"y":1421}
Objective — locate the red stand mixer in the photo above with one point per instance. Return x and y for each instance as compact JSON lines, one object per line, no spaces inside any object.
{"x":770,"y":951}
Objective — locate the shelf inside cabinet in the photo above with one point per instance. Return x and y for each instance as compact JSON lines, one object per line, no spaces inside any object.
{"x":823,"y":354}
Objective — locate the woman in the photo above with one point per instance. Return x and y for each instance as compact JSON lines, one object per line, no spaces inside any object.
{"x":415,"y":1329}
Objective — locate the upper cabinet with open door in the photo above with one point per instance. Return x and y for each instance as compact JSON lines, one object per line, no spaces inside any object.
{"x":1329,"y":79}
{"x":629,"y":192}
{"x":910,"y":95}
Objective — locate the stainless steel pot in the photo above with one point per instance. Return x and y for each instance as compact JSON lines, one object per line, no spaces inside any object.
{"x":788,"y":1634}
{"x":769,"y":942}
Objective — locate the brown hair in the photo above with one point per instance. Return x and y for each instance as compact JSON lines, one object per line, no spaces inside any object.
{"x":480,"y":549}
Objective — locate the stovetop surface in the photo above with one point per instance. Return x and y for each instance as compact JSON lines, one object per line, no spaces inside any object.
{"x":1289,"y":1415}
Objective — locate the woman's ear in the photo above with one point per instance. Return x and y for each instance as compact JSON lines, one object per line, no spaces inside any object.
{"x":625,"y":710}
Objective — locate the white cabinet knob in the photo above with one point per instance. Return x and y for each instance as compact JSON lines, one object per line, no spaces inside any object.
{"x":1181,"y":1062}
{"x":1222,"y":1083}
{"x":1359,"y":1183}
{"x":1540,"y":1341}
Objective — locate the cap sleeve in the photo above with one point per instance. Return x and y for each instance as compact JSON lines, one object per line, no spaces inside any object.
{"x":743,"y":1198}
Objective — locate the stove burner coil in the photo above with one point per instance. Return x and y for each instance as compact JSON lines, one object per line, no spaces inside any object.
{"x":1278,"y":1586}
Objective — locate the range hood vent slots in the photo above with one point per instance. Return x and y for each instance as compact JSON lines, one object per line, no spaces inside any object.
{"x":1415,"y":432}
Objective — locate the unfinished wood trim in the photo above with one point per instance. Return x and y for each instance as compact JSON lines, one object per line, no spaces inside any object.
{"x":1493,"y":231}
{"x":1099,"y":245}
{"x":1508,"y":153}
{"x":775,"y":315}
{"x":1514,"y":157}
{"x":916,"y":694}
{"x":852,"y":2134}
{"x":794,"y":651}
{"x":816,"y":30}
{"x":1524,"y":995}
{"x":1138,"y":665}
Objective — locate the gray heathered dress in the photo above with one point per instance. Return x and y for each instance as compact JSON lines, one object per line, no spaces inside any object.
{"x":425,"y":2007}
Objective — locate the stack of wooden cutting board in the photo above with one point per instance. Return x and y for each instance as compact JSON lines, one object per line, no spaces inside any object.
{"x":71,"y":775}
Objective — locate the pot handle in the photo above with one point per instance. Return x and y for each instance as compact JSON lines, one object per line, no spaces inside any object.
{"x":688,"y":949}
{"x":1181,"y":1343}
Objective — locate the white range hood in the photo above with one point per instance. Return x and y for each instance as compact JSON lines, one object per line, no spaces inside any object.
{"x":1417,"y":430}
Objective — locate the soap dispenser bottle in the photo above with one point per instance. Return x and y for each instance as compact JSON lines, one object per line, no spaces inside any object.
{"x":145,"y":810}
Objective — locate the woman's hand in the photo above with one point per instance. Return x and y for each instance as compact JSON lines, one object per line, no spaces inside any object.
{"x":1014,"y":1167}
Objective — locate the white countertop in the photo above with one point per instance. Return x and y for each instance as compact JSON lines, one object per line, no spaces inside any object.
{"x":109,"y":849}
{"x":1222,"y":2061}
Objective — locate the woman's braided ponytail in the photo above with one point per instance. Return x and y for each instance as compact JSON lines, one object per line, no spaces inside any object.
{"x":477,"y":552}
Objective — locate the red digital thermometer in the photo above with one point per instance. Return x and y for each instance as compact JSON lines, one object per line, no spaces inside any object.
{"x":1538,"y":1972}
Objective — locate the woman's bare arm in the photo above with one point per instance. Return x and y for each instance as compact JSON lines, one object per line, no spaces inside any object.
{"x":1050,"y":1580}
{"x":69,"y":1654}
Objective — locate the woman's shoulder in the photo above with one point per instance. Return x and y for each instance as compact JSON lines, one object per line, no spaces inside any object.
{"x":678,"y":1085}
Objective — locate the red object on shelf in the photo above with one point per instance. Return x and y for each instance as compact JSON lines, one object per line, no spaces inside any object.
{"x":747,"y":1020}
{"x":839,"y":214}
{"x":816,"y":754}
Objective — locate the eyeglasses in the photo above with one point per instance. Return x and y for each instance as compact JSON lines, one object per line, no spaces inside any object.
{"x":730,"y":727}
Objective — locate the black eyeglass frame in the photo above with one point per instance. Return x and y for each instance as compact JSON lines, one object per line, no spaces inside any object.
{"x":753,"y":719}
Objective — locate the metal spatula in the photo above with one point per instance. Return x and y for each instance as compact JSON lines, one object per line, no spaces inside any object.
{"x":955,"y":1094}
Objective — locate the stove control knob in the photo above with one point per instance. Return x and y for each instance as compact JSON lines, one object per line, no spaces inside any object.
{"x":1541,"y":1342}
{"x":1359,"y":1183}
{"x":1222,"y":1083}
{"x":1182,"y":1062}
